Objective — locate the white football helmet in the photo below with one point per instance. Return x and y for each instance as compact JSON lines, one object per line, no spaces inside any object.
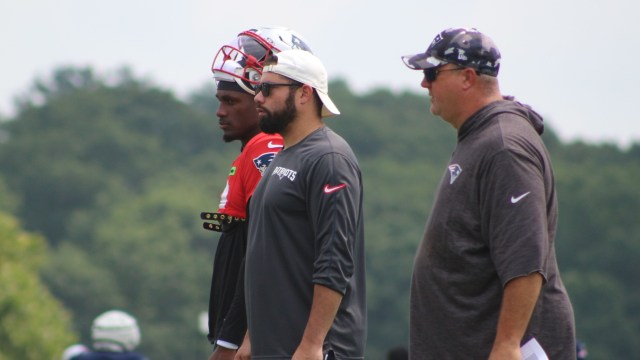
{"x":115,"y":331}
{"x":241,"y":60}
{"x":73,"y":351}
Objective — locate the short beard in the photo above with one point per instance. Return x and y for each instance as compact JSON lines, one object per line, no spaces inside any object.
{"x":276,"y":122}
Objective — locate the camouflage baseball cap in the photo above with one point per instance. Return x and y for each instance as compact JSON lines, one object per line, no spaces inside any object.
{"x":460,"y":46}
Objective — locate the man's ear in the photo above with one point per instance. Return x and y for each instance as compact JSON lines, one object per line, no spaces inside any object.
{"x":470,"y":77}
{"x":306,"y":94}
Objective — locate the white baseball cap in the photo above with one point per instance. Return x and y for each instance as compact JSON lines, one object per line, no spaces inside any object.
{"x":304,"y":67}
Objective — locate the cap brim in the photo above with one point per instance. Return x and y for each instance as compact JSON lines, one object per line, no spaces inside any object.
{"x":421,"y":61}
{"x":328,"y":107}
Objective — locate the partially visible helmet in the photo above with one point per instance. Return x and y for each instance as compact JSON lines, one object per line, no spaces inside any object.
{"x":581,"y":350}
{"x":74,"y":350}
{"x":241,"y":60}
{"x":115,"y":330}
{"x":460,"y":46}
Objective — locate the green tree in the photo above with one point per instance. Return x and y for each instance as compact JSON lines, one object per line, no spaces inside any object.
{"x":148,"y":255}
{"x":601,"y":314}
{"x":79,"y":135}
{"x":8,"y":199}
{"x":33,"y":324}
{"x":598,"y":243}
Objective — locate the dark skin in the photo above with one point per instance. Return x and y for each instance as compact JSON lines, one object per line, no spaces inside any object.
{"x":238,"y":119}
{"x":237,"y":116}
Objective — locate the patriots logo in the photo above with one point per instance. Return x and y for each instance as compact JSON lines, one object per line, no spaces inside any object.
{"x":437,"y":39}
{"x":262,"y":161}
{"x":455,"y":171}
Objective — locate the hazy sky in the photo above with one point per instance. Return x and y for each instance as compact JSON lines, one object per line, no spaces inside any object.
{"x":574,"y":61}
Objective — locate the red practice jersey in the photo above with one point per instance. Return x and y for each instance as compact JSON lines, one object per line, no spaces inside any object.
{"x":246,"y":171}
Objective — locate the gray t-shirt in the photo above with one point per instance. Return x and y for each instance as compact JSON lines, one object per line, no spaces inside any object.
{"x":306,"y":228}
{"x":493,"y":219}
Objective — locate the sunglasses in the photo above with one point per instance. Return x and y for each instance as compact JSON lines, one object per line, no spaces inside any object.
{"x":265,"y":87}
{"x":431,"y":74}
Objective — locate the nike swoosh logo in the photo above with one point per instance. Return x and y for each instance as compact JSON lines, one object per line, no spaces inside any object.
{"x":329,"y":189}
{"x":271,"y":145}
{"x":516,"y":199}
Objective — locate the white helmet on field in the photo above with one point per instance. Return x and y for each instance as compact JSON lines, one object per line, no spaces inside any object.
{"x":73,"y":351}
{"x":241,"y":60}
{"x":115,"y":330}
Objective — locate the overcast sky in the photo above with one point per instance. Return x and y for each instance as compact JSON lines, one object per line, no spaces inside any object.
{"x":574,"y":61}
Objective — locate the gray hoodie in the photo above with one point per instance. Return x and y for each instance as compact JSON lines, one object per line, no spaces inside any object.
{"x":493,"y":219}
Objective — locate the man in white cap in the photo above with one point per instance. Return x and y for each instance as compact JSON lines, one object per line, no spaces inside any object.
{"x":237,"y":68}
{"x":305,"y":273}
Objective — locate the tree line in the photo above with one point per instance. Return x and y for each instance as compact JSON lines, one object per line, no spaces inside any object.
{"x":102,"y":179}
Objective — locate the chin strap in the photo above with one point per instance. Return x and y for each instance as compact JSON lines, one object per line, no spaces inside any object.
{"x":222,"y":220}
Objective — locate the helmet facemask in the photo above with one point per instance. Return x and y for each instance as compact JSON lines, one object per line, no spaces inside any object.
{"x":241,"y":60}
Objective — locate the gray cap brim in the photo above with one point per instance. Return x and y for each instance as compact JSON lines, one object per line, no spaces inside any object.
{"x":421,"y":61}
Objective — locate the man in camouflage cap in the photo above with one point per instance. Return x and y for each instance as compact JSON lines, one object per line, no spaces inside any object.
{"x":464,"y":47}
{"x":485,"y":278}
